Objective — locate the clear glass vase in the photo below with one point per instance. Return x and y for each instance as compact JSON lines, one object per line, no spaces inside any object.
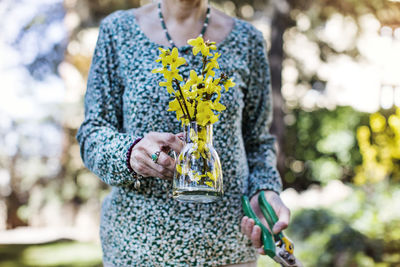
{"x":198,"y":173}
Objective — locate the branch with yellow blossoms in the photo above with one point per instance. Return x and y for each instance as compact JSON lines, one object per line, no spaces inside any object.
{"x":192,"y":100}
{"x":197,"y":98}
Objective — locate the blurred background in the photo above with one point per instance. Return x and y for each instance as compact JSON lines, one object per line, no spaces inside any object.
{"x":336,"y":86}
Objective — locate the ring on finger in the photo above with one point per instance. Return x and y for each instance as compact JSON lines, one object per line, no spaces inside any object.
{"x":155,"y":156}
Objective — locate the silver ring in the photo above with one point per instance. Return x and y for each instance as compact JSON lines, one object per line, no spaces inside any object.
{"x":155,"y":156}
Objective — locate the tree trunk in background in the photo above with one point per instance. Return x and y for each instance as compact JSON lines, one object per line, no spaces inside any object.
{"x":13,"y":201}
{"x":280,"y":22}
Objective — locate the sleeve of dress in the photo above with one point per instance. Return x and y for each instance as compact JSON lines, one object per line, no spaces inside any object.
{"x":103,"y":145}
{"x":257,"y":118}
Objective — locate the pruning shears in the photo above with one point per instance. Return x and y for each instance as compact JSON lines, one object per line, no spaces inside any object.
{"x":276,"y":246}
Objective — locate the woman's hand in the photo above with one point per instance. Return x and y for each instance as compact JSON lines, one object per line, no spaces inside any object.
{"x":253,"y":232}
{"x":141,"y":161}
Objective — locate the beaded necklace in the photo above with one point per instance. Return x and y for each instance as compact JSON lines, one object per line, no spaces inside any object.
{"x":203,"y":30}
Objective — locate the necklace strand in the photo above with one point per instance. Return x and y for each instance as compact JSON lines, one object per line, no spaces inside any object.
{"x":164,"y":26}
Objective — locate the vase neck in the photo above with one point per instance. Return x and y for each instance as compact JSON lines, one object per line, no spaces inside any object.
{"x":204,"y":133}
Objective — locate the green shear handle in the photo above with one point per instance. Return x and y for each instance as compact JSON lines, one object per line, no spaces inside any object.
{"x":268,"y":212}
{"x":266,"y":237}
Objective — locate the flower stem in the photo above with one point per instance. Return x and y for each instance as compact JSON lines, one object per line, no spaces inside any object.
{"x":204,"y":65}
{"x":183,"y":98}
{"x":195,"y":109}
{"x":180,"y":104}
{"x":183,"y":110}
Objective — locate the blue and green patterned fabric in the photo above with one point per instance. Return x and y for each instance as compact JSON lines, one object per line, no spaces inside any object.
{"x":146,"y":227}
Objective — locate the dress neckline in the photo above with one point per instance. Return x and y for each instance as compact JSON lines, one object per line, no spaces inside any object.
{"x":187,"y":46}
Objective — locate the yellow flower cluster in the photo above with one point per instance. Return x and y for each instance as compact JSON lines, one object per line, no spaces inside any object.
{"x":380,"y":149}
{"x":195,"y":99}
{"x":192,"y":101}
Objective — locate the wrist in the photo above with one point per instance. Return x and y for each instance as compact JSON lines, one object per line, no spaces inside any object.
{"x":129,"y":153}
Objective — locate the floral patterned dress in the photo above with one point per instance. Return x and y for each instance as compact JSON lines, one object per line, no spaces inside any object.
{"x":146,"y":227}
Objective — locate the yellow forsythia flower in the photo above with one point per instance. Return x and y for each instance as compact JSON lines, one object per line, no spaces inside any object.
{"x":200,"y":46}
{"x":174,"y":60}
{"x":229,"y":83}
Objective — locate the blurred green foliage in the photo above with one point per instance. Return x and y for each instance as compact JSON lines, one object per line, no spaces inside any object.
{"x":57,"y":254}
{"x":363,"y":233}
{"x":364,"y":229}
{"x":321,"y":146}
{"x":380,"y":148}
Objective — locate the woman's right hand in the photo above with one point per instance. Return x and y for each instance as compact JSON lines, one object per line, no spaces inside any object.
{"x":141,"y":161}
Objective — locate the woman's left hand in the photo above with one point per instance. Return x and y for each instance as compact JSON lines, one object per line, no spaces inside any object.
{"x":252,"y":231}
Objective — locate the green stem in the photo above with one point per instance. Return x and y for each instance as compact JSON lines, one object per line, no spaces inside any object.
{"x":204,"y":169}
{"x":195,"y":109}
